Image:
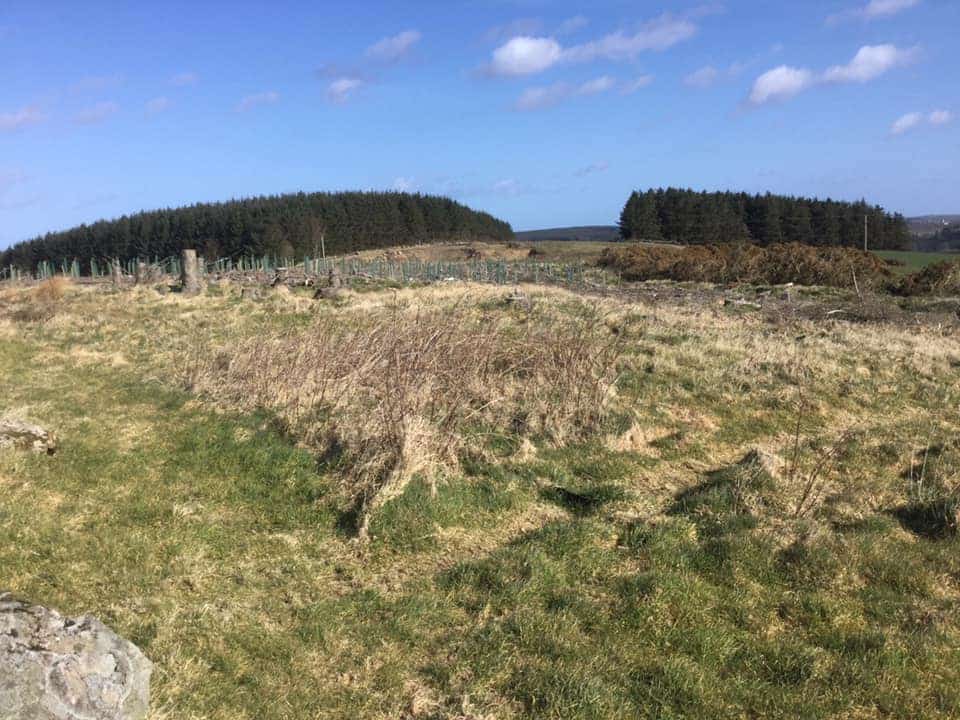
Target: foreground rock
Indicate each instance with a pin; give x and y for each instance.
(57, 668)
(24, 436)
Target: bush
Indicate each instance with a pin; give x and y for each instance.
(393, 393)
(744, 263)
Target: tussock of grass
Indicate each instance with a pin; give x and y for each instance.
(393, 393)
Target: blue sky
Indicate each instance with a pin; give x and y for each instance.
(543, 113)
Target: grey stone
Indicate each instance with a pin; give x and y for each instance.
(24, 436)
(57, 668)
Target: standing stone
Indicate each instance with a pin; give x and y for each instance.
(117, 273)
(57, 668)
(334, 278)
(190, 273)
(141, 276)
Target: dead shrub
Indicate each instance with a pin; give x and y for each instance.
(42, 304)
(752, 264)
(942, 278)
(52, 291)
(393, 393)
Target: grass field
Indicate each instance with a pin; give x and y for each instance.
(643, 569)
(915, 261)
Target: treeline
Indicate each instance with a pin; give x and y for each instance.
(691, 218)
(944, 240)
(287, 226)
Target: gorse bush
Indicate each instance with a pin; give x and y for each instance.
(400, 391)
(744, 263)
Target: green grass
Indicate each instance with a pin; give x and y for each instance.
(915, 261)
(661, 581)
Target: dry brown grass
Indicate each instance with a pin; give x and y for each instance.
(399, 391)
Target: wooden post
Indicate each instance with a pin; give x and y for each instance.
(189, 273)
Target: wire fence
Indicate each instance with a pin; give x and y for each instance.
(499, 272)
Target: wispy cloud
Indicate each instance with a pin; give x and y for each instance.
(572, 25)
(873, 10)
(870, 62)
(393, 48)
(95, 114)
(592, 169)
(636, 84)
(507, 186)
(512, 29)
(258, 100)
(341, 89)
(914, 120)
(940, 117)
(538, 98)
(404, 184)
(528, 55)
(20, 119)
(906, 123)
(96, 83)
(184, 79)
(702, 78)
(157, 105)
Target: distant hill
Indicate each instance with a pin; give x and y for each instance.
(947, 238)
(930, 224)
(592, 233)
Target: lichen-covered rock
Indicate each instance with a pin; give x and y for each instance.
(24, 436)
(57, 668)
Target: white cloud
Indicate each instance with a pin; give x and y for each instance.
(913, 120)
(542, 97)
(97, 113)
(598, 85)
(257, 100)
(591, 169)
(19, 119)
(940, 117)
(342, 89)
(404, 184)
(871, 61)
(658, 34)
(885, 8)
(571, 25)
(185, 78)
(393, 48)
(525, 55)
(873, 10)
(702, 78)
(906, 123)
(780, 83)
(538, 98)
(637, 84)
(157, 105)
